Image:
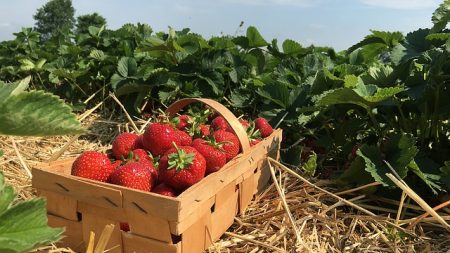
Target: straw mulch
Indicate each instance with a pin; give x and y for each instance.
(293, 215)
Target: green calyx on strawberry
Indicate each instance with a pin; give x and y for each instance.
(213, 152)
(181, 122)
(253, 134)
(93, 165)
(182, 167)
(180, 160)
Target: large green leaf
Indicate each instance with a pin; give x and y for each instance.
(292, 47)
(37, 113)
(398, 152)
(127, 67)
(12, 89)
(23, 226)
(254, 38)
(441, 16)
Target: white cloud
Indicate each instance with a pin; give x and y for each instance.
(296, 3)
(402, 4)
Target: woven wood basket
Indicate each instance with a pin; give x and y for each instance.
(188, 223)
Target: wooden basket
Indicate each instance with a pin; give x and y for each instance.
(188, 223)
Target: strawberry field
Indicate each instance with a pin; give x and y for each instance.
(366, 131)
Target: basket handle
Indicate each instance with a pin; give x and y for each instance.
(174, 108)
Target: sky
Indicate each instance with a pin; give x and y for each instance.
(336, 23)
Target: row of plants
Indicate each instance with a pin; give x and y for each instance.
(355, 114)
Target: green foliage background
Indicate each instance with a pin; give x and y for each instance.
(384, 97)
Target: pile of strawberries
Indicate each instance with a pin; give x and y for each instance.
(171, 155)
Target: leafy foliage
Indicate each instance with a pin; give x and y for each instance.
(388, 87)
(87, 20)
(23, 226)
(34, 113)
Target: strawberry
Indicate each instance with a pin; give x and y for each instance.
(123, 144)
(213, 152)
(164, 190)
(124, 226)
(186, 139)
(253, 142)
(182, 167)
(231, 146)
(220, 123)
(92, 165)
(204, 130)
(244, 123)
(141, 156)
(133, 175)
(139, 144)
(181, 122)
(117, 163)
(158, 138)
(263, 126)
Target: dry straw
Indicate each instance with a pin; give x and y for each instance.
(294, 214)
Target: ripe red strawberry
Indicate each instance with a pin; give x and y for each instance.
(139, 144)
(254, 142)
(124, 226)
(158, 138)
(181, 122)
(219, 123)
(213, 152)
(204, 130)
(133, 175)
(123, 144)
(182, 167)
(263, 126)
(164, 190)
(244, 123)
(186, 139)
(141, 156)
(231, 141)
(117, 163)
(92, 165)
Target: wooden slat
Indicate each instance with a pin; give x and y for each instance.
(137, 244)
(225, 209)
(81, 190)
(96, 223)
(73, 235)
(196, 238)
(60, 205)
(246, 190)
(151, 204)
(177, 228)
(195, 195)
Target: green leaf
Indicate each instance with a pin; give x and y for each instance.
(311, 165)
(97, 54)
(441, 16)
(254, 38)
(351, 81)
(292, 47)
(7, 90)
(399, 152)
(127, 67)
(37, 113)
(445, 178)
(430, 180)
(23, 226)
(343, 96)
(7, 195)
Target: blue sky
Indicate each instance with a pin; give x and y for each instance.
(336, 23)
